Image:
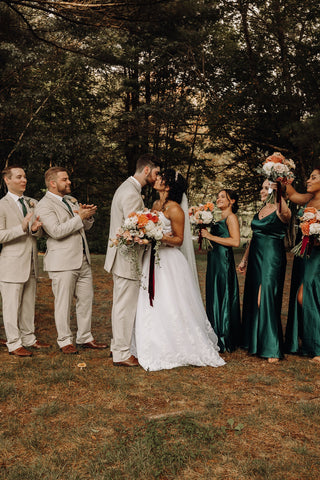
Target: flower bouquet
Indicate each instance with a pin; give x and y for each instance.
(140, 228)
(310, 228)
(276, 168)
(201, 216)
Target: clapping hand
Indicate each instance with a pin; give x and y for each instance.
(36, 225)
(26, 221)
(86, 211)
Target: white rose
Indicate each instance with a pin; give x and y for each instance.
(314, 229)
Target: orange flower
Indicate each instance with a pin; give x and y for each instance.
(209, 206)
(276, 157)
(305, 228)
(142, 220)
(310, 210)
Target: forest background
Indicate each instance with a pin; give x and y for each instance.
(210, 87)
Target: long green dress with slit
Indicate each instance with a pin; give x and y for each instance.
(222, 291)
(294, 327)
(304, 322)
(266, 268)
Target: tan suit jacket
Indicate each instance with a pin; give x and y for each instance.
(65, 233)
(18, 247)
(126, 200)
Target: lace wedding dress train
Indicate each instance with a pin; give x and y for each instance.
(175, 331)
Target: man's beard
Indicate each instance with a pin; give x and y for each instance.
(64, 191)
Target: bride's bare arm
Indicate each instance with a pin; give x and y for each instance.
(176, 215)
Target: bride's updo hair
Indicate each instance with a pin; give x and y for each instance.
(232, 195)
(176, 183)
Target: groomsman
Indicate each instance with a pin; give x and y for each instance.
(67, 259)
(18, 263)
(127, 199)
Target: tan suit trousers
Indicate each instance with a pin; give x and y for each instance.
(18, 306)
(66, 285)
(125, 299)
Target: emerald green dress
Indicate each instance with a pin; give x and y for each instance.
(266, 267)
(304, 322)
(294, 327)
(222, 291)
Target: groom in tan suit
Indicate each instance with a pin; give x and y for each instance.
(67, 259)
(18, 263)
(126, 199)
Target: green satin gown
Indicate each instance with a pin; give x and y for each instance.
(304, 322)
(266, 267)
(222, 292)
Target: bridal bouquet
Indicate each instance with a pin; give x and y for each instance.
(310, 228)
(201, 216)
(276, 168)
(141, 228)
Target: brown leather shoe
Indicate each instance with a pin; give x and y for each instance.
(131, 362)
(93, 344)
(69, 349)
(3, 342)
(21, 352)
(39, 345)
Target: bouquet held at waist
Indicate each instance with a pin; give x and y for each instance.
(310, 228)
(201, 216)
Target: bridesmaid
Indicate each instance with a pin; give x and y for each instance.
(222, 290)
(304, 305)
(265, 262)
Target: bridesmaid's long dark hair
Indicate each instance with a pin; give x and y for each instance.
(176, 183)
(232, 195)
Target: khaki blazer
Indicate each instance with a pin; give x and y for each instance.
(65, 233)
(126, 199)
(18, 247)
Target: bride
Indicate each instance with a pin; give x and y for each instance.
(175, 331)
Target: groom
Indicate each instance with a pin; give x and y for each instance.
(126, 199)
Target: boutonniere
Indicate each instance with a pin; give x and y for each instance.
(72, 200)
(30, 202)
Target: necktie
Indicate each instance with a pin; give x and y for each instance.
(69, 208)
(24, 208)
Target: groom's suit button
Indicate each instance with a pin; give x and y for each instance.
(69, 349)
(93, 344)
(131, 362)
(21, 352)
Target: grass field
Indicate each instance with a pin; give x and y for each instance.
(246, 420)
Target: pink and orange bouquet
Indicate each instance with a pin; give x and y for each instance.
(201, 216)
(140, 228)
(310, 228)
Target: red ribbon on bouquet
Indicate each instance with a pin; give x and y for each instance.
(200, 237)
(151, 286)
(279, 195)
(307, 245)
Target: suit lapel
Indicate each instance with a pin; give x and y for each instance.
(58, 203)
(14, 207)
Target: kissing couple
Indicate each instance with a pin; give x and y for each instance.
(174, 331)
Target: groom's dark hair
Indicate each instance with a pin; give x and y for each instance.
(146, 160)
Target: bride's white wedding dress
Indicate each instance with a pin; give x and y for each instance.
(176, 331)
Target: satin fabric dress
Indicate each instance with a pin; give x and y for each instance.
(294, 327)
(222, 291)
(266, 267)
(304, 322)
(175, 331)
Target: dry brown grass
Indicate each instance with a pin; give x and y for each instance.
(246, 420)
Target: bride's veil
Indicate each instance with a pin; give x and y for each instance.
(187, 246)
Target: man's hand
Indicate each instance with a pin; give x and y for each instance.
(86, 211)
(26, 221)
(36, 225)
